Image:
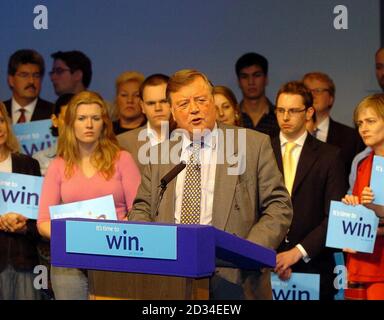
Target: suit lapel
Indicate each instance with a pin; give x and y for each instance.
(167, 207)
(331, 132)
(276, 146)
(306, 160)
(225, 184)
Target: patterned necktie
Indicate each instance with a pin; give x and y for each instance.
(22, 118)
(191, 202)
(289, 166)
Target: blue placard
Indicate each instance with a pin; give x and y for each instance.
(121, 239)
(20, 193)
(377, 180)
(352, 227)
(300, 286)
(34, 136)
(97, 208)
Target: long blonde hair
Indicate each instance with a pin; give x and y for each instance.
(11, 144)
(107, 149)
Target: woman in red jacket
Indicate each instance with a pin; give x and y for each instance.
(366, 270)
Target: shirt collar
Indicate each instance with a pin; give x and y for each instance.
(209, 139)
(324, 125)
(28, 108)
(299, 141)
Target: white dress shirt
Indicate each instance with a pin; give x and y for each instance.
(6, 165)
(29, 108)
(322, 130)
(296, 152)
(208, 159)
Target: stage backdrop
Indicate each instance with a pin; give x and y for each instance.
(151, 36)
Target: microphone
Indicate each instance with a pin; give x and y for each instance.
(172, 174)
(167, 179)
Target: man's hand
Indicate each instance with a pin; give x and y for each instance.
(285, 260)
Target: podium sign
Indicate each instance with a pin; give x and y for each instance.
(121, 239)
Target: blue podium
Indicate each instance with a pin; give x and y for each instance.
(129, 260)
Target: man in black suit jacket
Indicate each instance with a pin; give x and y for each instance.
(318, 178)
(25, 73)
(328, 130)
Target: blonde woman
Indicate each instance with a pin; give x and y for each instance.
(365, 270)
(18, 235)
(89, 164)
(130, 115)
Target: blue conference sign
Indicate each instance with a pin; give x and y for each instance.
(352, 227)
(300, 286)
(121, 239)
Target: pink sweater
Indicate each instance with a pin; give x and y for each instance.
(57, 189)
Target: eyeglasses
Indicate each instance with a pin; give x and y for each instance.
(319, 90)
(291, 112)
(26, 75)
(58, 71)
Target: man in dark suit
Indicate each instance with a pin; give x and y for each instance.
(314, 175)
(246, 197)
(328, 130)
(25, 74)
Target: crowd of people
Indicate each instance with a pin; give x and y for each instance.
(298, 159)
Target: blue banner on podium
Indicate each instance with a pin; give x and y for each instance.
(121, 239)
(352, 227)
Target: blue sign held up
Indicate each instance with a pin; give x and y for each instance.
(377, 180)
(97, 208)
(352, 227)
(20, 193)
(34, 136)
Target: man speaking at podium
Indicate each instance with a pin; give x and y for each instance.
(231, 181)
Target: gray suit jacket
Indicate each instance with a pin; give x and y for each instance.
(254, 205)
(129, 141)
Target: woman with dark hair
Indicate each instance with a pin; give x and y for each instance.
(45, 156)
(18, 234)
(89, 164)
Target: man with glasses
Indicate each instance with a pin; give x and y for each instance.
(25, 74)
(328, 130)
(313, 175)
(71, 72)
